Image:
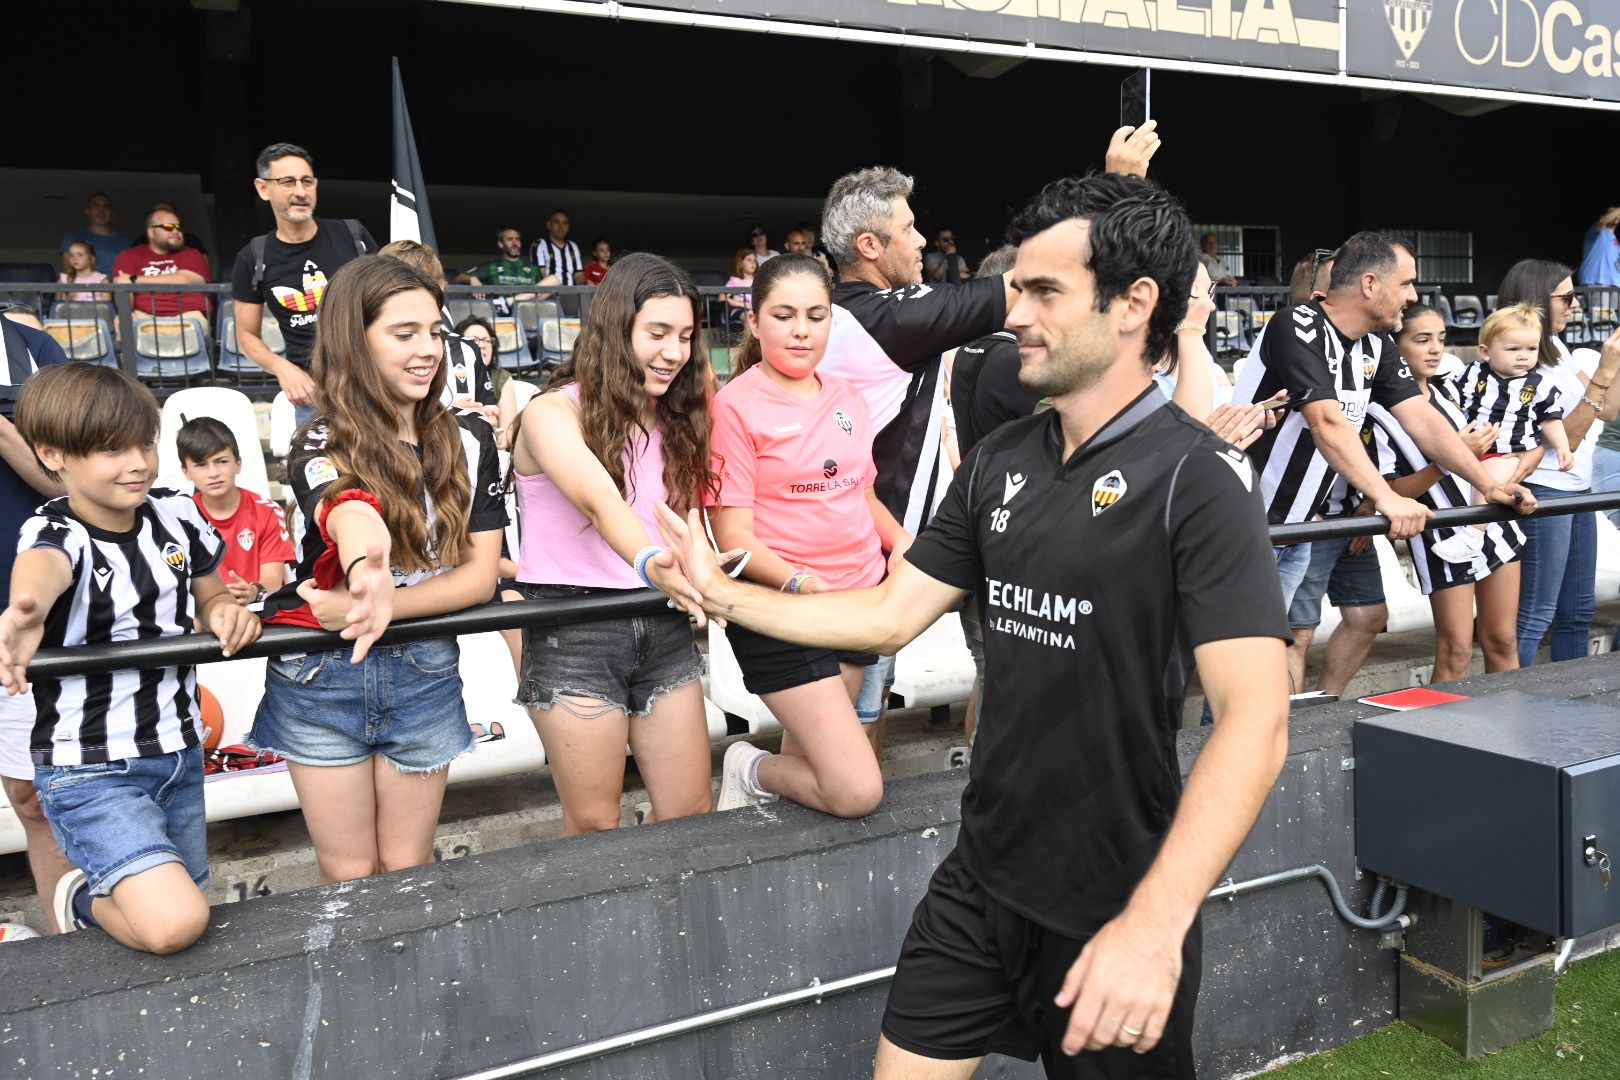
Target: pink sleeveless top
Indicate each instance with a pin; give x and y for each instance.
(559, 546)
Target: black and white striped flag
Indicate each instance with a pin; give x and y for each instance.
(408, 214)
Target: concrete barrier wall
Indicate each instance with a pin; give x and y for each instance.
(474, 963)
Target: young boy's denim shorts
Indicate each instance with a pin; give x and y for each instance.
(119, 818)
(403, 702)
(875, 684)
(625, 663)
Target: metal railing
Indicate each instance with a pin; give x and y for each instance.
(138, 328)
(280, 641)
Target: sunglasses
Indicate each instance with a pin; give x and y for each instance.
(168, 228)
(1568, 298)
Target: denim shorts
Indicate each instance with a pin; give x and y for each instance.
(120, 818)
(402, 701)
(874, 694)
(1347, 580)
(625, 663)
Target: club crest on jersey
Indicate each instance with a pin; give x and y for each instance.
(845, 424)
(1107, 491)
(174, 555)
(244, 539)
(1368, 366)
(1527, 395)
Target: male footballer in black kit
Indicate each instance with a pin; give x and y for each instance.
(1110, 541)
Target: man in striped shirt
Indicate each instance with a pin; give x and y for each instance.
(554, 253)
(1334, 356)
(117, 755)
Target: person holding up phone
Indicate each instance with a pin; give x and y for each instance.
(794, 452)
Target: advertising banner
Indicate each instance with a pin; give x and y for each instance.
(1562, 47)
(1297, 35)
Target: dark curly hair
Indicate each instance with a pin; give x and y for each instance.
(1138, 230)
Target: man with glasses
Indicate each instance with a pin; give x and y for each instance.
(944, 264)
(162, 261)
(287, 270)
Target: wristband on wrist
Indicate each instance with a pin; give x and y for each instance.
(1597, 406)
(1191, 326)
(347, 570)
(796, 582)
(1599, 385)
(643, 556)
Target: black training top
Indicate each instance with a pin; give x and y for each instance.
(1095, 577)
(985, 389)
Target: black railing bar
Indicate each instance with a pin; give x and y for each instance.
(281, 640)
(285, 640)
(1377, 525)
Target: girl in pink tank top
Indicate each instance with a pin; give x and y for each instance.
(624, 427)
(794, 453)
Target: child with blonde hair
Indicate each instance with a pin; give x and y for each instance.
(1507, 387)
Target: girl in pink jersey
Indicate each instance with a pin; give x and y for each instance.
(794, 452)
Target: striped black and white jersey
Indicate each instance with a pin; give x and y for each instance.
(1519, 405)
(888, 343)
(1396, 455)
(127, 586)
(310, 471)
(1304, 353)
(560, 259)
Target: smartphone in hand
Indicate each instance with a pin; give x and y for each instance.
(1135, 98)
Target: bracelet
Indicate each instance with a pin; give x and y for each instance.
(1599, 385)
(347, 570)
(1192, 326)
(642, 558)
(1597, 406)
(796, 582)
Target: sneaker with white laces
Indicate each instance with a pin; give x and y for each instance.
(62, 901)
(736, 790)
(1463, 546)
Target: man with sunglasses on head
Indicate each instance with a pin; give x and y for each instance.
(164, 260)
(286, 270)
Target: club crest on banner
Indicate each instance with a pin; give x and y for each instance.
(1408, 21)
(1107, 491)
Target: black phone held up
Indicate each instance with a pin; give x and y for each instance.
(1135, 98)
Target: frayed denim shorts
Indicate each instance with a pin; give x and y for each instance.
(403, 702)
(118, 818)
(624, 663)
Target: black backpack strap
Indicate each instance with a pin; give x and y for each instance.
(356, 233)
(257, 245)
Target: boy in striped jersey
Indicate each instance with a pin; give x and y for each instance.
(1505, 387)
(117, 755)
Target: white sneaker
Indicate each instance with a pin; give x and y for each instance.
(16, 931)
(62, 901)
(1463, 546)
(735, 790)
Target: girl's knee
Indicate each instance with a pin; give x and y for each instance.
(858, 797)
(175, 928)
(335, 870)
(579, 821)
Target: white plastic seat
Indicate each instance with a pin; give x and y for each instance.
(230, 407)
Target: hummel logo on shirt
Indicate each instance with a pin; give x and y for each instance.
(1014, 485)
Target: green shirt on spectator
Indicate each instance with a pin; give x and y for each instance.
(1611, 435)
(507, 272)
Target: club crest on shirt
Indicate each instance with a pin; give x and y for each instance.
(1368, 366)
(1526, 395)
(174, 555)
(318, 471)
(1107, 491)
(244, 539)
(844, 422)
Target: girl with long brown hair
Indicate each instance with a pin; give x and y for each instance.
(399, 515)
(624, 426)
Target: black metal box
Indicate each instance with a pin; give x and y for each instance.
(1495, 802)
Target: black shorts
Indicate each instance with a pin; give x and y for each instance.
(769, 665)
(977, 978)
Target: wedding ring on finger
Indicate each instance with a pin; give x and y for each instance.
(1126, 1029)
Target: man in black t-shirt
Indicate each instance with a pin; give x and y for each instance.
(1066, 919)
(299, 258)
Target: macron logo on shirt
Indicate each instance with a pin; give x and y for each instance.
(1014, 485)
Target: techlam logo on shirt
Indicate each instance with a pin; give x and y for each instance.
(1036, 606)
